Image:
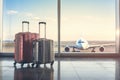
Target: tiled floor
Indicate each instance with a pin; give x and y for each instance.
(63, 69)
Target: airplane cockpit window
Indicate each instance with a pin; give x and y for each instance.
(80, 41)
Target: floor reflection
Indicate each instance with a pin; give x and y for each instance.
(0, 70)
(41, 73)
(86, 69)
(117, 70)
(63, 69)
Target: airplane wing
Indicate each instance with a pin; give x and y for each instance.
(100, 46)
(70, 46)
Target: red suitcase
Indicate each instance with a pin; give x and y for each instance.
(23, 46)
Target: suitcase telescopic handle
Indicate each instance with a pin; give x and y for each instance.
(44, 28)
(42, 22)
(23, 22)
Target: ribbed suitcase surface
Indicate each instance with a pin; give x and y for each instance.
(23, 47)
(43, 51)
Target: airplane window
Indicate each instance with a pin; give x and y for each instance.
(92, 22)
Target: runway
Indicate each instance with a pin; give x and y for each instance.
(9, 47)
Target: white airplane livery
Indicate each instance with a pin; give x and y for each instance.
(83, 44)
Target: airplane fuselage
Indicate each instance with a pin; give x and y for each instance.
(82, 44)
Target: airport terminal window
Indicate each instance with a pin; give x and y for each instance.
(88, 26)
(88, 21)
(16, 11)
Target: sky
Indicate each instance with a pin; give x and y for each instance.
(16, 11)
(90, 19)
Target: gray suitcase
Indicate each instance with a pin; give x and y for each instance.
(43, 50)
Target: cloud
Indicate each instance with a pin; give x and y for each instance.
(36, 18)
(12, 12)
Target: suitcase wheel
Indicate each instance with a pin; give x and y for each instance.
(52, 63)
(37, 65)
(22, 65)
(32, 65)
(28, 65)
(14, 64)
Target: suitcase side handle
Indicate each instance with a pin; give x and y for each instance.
(23, 22)
(44, 28)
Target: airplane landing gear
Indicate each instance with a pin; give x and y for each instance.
(73, 49)
(93, 50)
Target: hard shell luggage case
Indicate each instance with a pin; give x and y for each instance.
(42, 73)
(43, 50)
(23, 46)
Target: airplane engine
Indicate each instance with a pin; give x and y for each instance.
(67, 49)
(101, 49)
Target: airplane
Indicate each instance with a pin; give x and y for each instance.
(82, 44)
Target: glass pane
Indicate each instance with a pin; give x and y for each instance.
(88, 26)
(0, 25)
(16, 11)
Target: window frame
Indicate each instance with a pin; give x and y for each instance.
(116, 54)
(59, 54)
